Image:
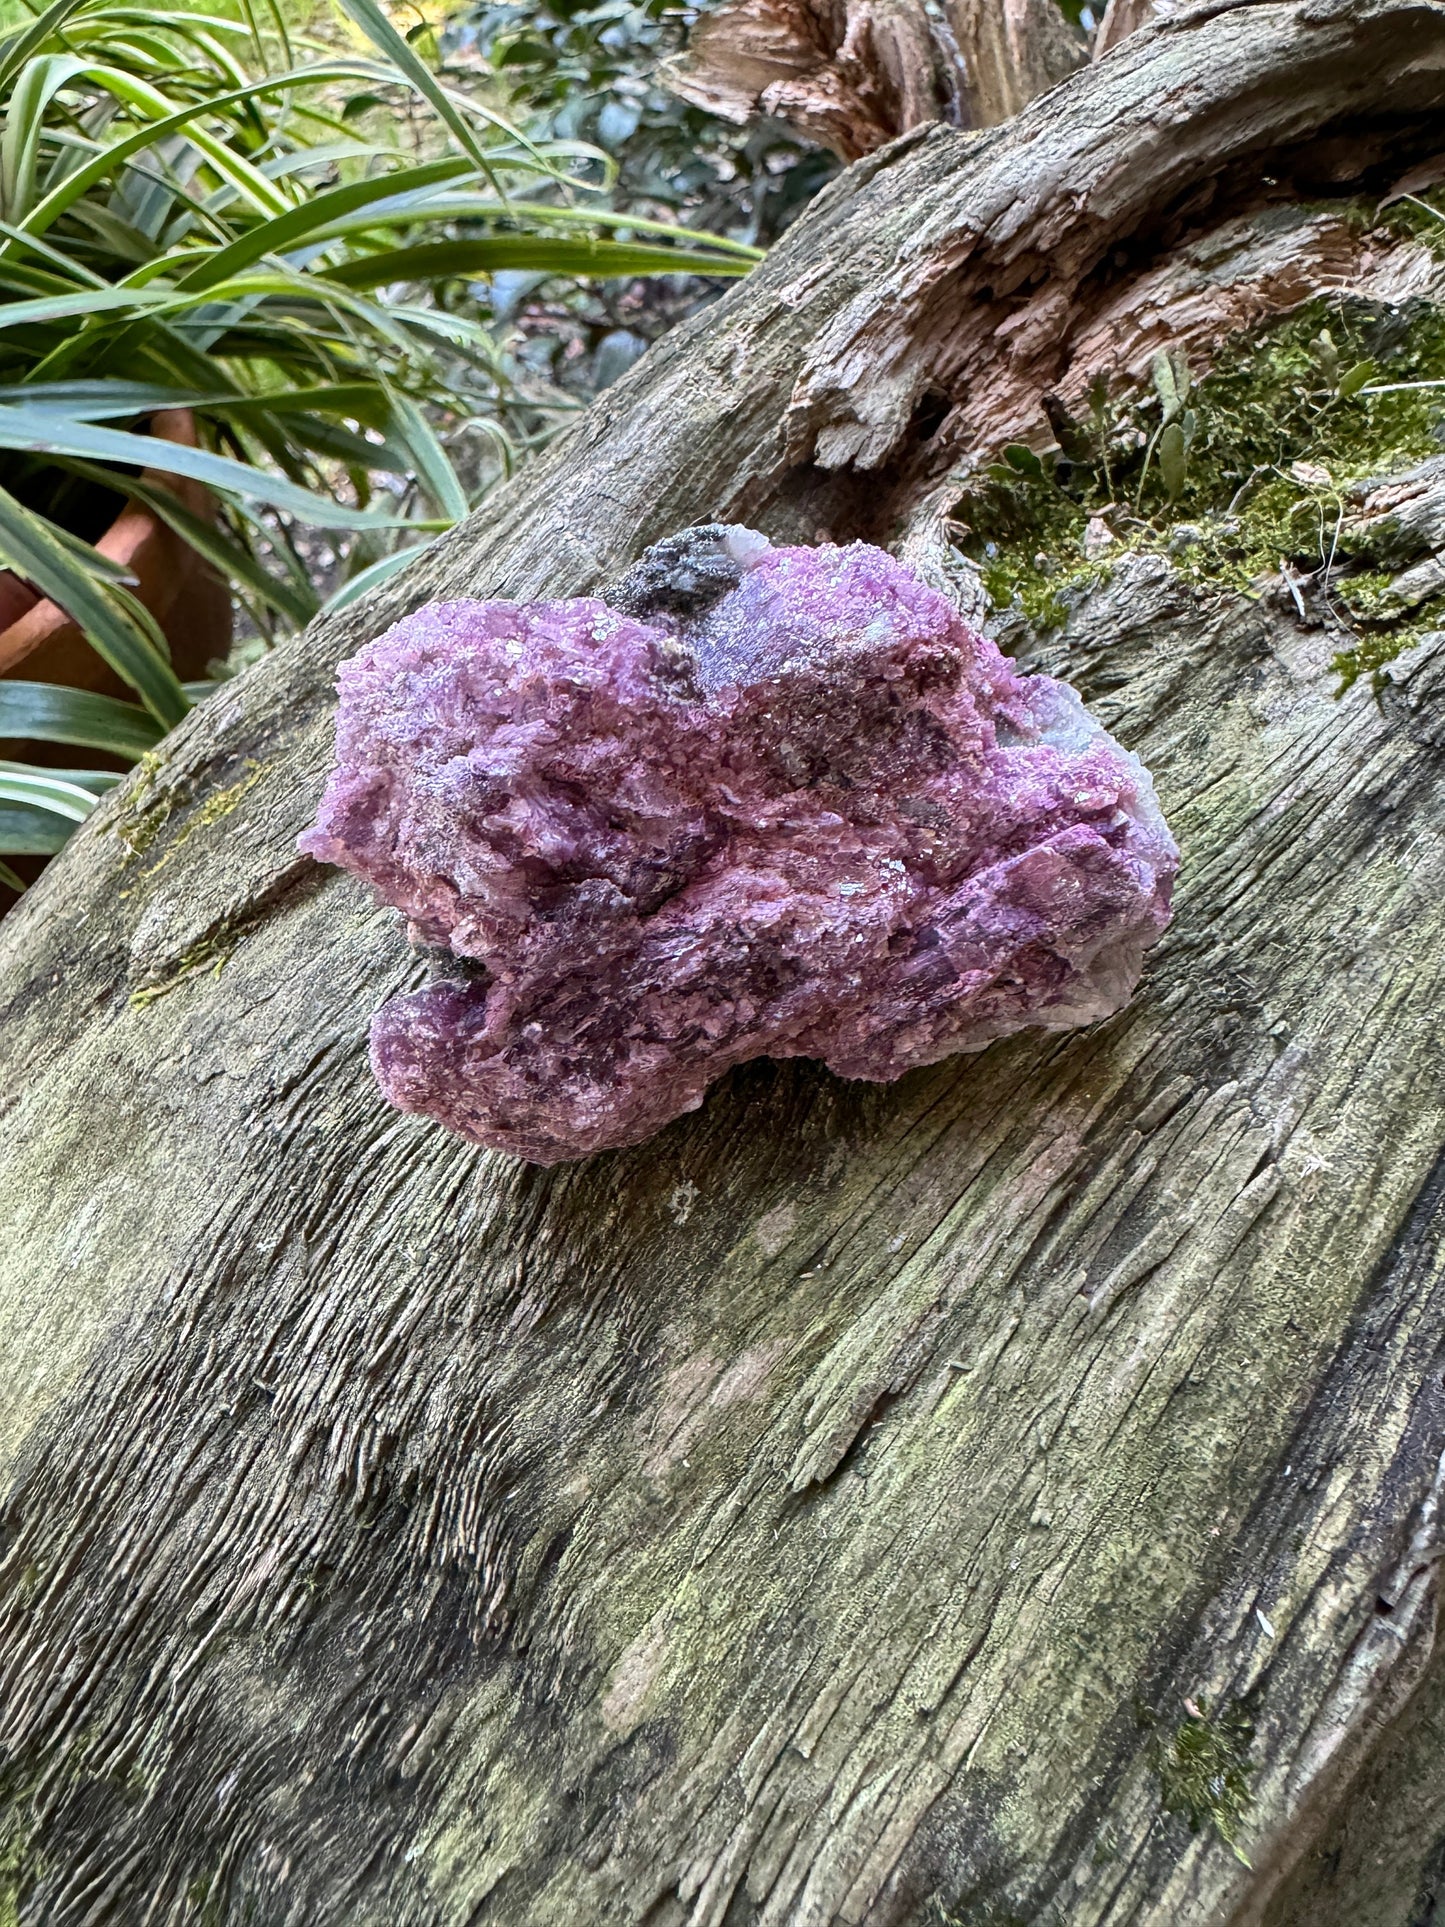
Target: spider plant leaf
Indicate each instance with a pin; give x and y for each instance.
(433, 467)
(18, 48)
(12, 881)
(24, 276)
(44, 434)
(300, 224)
(232, 562)
(233, 168)
(547, 254)
(127, 242)
(43, 78)
(370, 577)
(31, 547)
(68, 269)
(26, 830)
(40, 80)
(43, 712)
(373, 22)
(90, 559)
(42, 791)
(90, 782)
(104, 163)
(361, 401)
(210, 23)
(328, 438)
(321, 158)
(545, 216)
(99, 400)
(230, 559)
(86, 301)
(475, 206)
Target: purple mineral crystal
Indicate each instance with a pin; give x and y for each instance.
(758, 802)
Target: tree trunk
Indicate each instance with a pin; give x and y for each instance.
(861, 1504)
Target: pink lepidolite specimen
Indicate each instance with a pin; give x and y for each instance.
(760, 801)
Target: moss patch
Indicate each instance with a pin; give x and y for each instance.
(211, 955)
(16, 1859)
(1238, 477)
(143, 823)
(1204, 1770)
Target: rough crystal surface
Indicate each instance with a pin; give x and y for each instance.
(762, 801)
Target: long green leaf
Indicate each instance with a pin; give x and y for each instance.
(19, 48)
(369, 578)
(49, 209)
(30, 546)
(68, 792)
(144, 100)
(211, 22)
(28, 831)
(233, 562)
(385, 38)
(68, 269)
(39, 81)
(42, 434)
(90, 782)
(86, 301)
(100, 400)
(329, 438)
(43, 712)
(477, 207)
(441, 260)
(363, 401)
(299, 224)
(433, 467)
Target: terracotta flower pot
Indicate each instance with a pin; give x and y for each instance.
(40, 642)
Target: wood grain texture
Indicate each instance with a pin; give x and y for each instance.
(1011, 51)
(849, 75)
(821, 1513)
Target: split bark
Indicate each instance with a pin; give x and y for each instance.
(849, 75)
(1123, 17)
(852, 75)
(830, 1511)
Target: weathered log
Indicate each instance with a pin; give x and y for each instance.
(860, 1504)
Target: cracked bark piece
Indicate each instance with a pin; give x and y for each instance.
(768, 801)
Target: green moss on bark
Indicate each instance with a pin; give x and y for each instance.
(1241, 477)
(1204, 1770)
